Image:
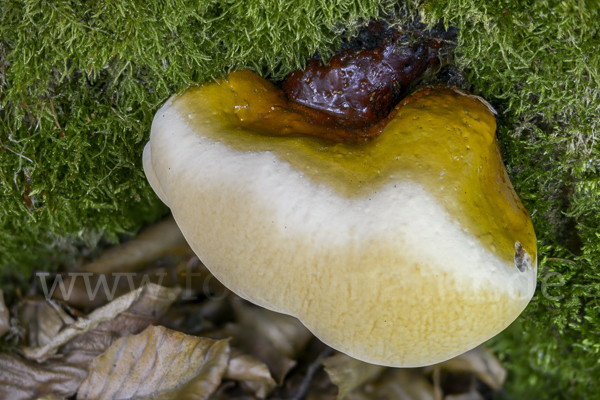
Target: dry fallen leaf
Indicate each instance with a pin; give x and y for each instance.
(28, 380)
(273, 338)
(396, 383)
(157, 364)
(62, 374)
(252, 343)
(253, 373)
(284, 332)
(471, 395)
(42, 321)
(456, 376)
(148, 309)
(83, 325)
(348, 373)
(480, 362)
(198, 318)
(4, 316)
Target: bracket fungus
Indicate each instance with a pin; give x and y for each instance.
(402, 243)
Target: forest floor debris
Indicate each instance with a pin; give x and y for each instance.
(193, 337)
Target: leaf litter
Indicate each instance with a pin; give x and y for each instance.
(4, 316)
(106, 313)
(42, 320)
(160, 326)
(61, 365)
(158, 363)
(348, 373)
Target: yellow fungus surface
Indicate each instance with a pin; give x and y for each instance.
(439, 138)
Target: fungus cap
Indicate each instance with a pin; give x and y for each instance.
(406, 250)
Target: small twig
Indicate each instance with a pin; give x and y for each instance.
(62, 132)
(54, 115)
(41, 115)
(561, 260)
(310, 373)
(437, 387)
(14, 152)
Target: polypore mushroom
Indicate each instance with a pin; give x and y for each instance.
(404, 250)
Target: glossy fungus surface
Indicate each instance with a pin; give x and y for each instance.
(404, 250)
(358, 88)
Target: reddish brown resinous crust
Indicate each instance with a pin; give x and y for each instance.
(359, 88)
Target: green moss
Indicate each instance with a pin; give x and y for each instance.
(79, 83)
(538, 61)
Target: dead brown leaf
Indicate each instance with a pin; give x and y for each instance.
(253, 373)
(42, 321)
(62, 374)
(157, 364)
(152, 304)
(222, 393)
(455, 379)
(481, 363)
(396, 383)
(83, 325)
(198, 318)
(348, 373)
(4, 316)
(275, 339)
(284, 332)
(250, 342)
(471, 395)
(27, 380)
